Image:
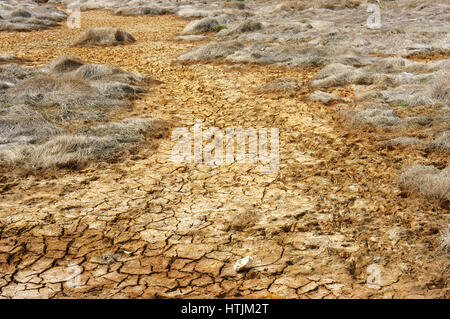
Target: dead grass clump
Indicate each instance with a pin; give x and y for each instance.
(104, 142)
(356, 58)
(403, 141)
(293, 5)
(49, 117)
(242, 27)
(191, 37)
(333, 4)
(439, 90)
(435, 92)
(72, 67)
(278, 54)
(4, 86)
(192, 13)
(375, 117)
(212, 51)
(63, 151)
(234, 5)
(116, 90)
(44, 91)
(28, 15)
(390, 65)
(14, 73)
(10, 74)
(104, 36)
(418, 120)
(19, 124)
(300, 5)
(445, 240)
(5, 58)
(65, 64)
(280, 85)
(337, 74)
(137, 11)
(21, 13)
(130, 130)
(68, 81)
(428, 180)
(301, 57)
(101, 72)
(201, 26)
(441, 142)
(333, 70)
(324, 97)
(71, 90)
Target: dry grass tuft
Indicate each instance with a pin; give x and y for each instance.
(280, 85)
(58, 116)
(47, 91)
(104, 36)
(441, 142)
(137, 11)
(64, 64)
(445, 240)
(104, 142)
(374, 117)
(22, 124)
(291, 6)
(201, 26)
(234, 5)
(428, 180)
(299, 5)
(323, 97)
(333, 4)
(242, 27)
(212, 51)
(6, 59)
(28, 15)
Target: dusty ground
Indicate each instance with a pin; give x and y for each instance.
(147, 227)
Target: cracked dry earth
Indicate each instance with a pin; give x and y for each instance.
(147, 227)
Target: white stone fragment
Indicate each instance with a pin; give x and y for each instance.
(243, 264)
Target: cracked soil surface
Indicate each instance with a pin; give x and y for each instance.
(147, 227)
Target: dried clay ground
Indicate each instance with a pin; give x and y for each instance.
(146, 227)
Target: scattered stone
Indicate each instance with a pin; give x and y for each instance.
(243, 264)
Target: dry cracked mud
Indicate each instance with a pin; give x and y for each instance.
(147, 227)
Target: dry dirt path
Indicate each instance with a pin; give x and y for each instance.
(319, 227)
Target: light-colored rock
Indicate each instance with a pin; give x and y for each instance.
(243, 264)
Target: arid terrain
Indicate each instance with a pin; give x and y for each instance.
(89, 193)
